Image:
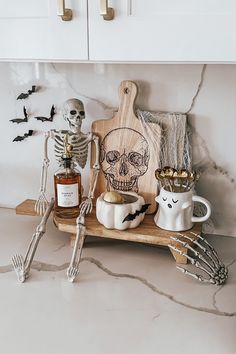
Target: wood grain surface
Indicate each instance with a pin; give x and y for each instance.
(26, 208)
(131, 153)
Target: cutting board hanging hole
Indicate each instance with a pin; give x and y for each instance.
(126, 90)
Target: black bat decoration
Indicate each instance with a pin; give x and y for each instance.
(23, 96)
(130, 217)
(50, 119)
(20, 138)
(21, 120)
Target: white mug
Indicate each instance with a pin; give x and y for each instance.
(175, 211)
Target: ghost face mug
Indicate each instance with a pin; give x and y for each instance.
(175, 211)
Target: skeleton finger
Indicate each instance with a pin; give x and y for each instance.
(85, 207)
(36, 207)
(196, 276)
(14, 261)
(82, 208)
(91, 207)
(39, 207)
(210, 246)
(87, 210)
(192, 260)
(41, 204)
(219, 272)
(195, 252)
(45, 206)
(20, 260)
(204, 249)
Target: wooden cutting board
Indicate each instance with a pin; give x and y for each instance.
(128, 156)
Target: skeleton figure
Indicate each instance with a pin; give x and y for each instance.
(123, 165)
(73, 113)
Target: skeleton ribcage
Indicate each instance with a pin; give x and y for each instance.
(80, 147)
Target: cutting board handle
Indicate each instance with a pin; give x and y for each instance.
(128, 92)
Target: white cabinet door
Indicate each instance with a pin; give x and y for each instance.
(164, 31)
(32, 30)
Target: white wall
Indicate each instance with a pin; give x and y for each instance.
(162, 88)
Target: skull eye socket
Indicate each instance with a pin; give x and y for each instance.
(112, 157)
(81, 113)
(72, 112)
(135, 159)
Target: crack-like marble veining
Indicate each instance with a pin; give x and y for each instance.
(214, 298)
(214, 302)
(201, 82)
(231, 263)
(204, 160)
(60, 247)
(156, 316)
(40, 266)
(100, 103)
(218, 176)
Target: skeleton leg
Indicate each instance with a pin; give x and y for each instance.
(208, 262)
(73, 269)
(42, 203)
(21, 265)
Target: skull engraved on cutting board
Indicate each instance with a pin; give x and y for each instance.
(124, 159)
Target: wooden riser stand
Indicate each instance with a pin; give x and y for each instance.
(146, 232)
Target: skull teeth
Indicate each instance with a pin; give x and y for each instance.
(124, 186)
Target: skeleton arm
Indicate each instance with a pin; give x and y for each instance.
(87, 205)
(42, 203)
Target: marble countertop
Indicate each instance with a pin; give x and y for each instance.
(129, 298)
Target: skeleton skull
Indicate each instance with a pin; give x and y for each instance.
(73, 113)
(124, 158)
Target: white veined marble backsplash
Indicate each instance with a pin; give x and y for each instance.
(168, 88)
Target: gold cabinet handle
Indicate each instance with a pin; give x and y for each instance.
(65, 14)
(106, 12)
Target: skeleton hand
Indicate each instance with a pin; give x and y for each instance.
(41, 204)
(203, 257)
(86, 206)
